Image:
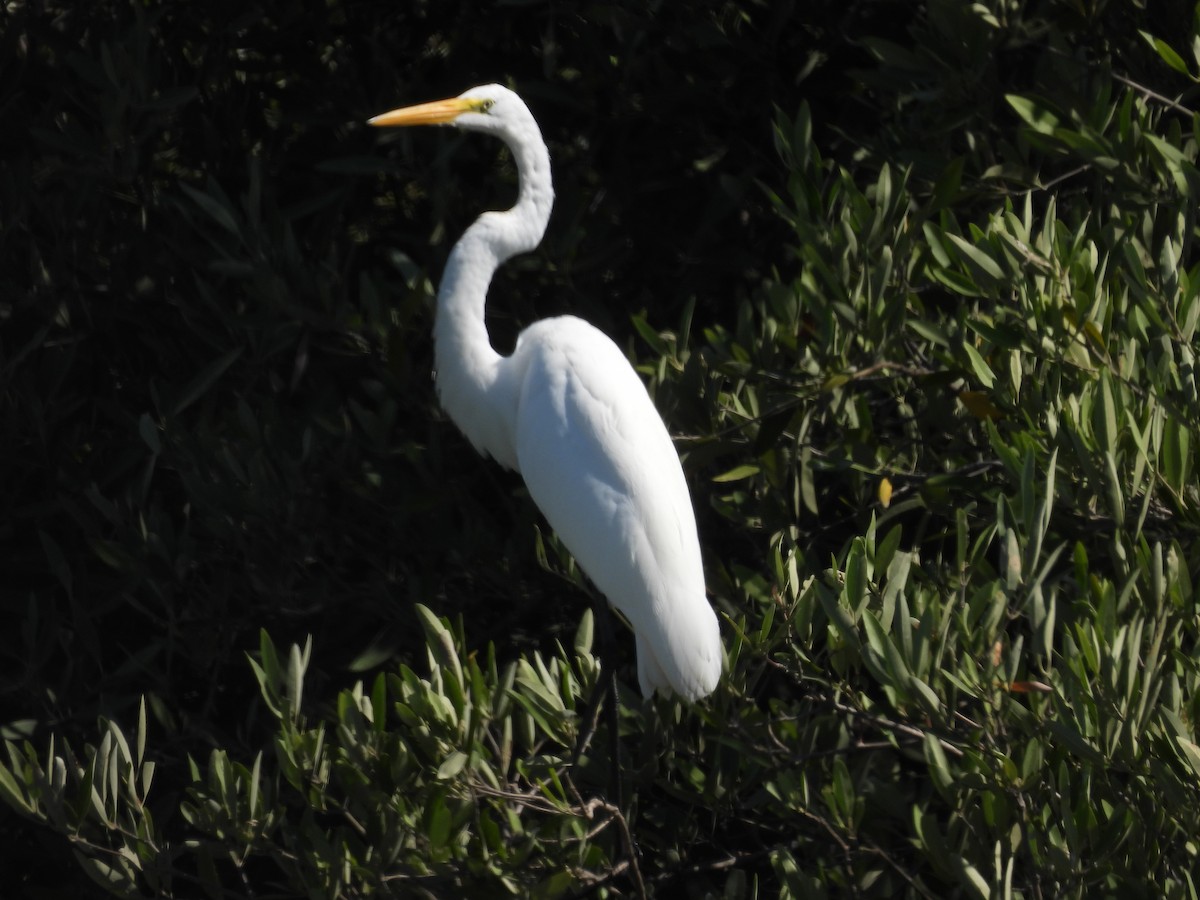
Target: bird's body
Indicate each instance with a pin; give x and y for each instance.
(568, 412)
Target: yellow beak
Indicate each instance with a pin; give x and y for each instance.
(440, 112)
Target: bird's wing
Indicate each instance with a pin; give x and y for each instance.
(600, 465)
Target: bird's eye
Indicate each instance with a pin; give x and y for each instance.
(486, 105)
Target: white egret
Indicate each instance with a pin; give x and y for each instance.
(570, 414)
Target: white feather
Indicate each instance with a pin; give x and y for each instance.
(571, 415)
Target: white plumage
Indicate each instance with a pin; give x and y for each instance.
(569, 413)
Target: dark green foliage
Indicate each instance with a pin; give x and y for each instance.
(917, 286)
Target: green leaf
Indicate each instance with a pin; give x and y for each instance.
(1035, 115)
(650, 336)
(959, 282)
(141, 732)
(929, 331)
(978, 256)
(452, 765)
(949, 184)
(441, 643)
(737, 473)
(983, 372)
(584, 634)
(1166, 52)
(13, 793)
(297, 664)
(1073, 742)
(1106, 421)
(437, 822)
(255, 781)
(939, 767)
(112, 878)
(840, 619)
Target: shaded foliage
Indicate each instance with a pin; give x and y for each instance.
(928, 341)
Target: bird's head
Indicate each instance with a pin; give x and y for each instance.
(488, 107)
(498, 111)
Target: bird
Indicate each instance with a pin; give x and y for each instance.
(569, 413)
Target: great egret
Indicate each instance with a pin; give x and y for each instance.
(569, 413)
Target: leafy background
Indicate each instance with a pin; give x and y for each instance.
(915, 285)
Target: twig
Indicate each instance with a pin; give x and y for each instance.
(1154, 95)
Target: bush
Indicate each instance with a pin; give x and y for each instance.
(934, 371)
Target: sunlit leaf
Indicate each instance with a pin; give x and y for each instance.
(738, 473)
(1165, 51)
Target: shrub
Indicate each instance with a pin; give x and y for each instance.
(939, 415)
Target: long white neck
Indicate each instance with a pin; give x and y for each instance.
(469, 372)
